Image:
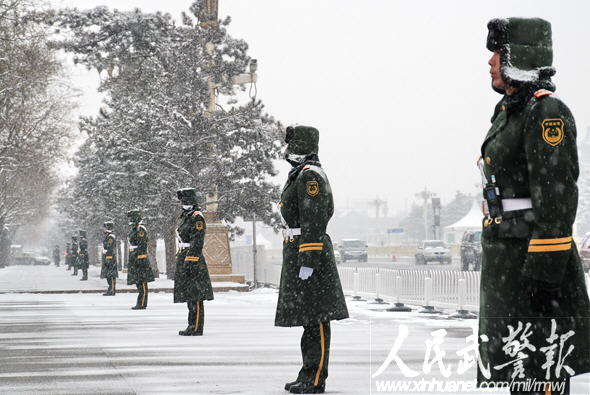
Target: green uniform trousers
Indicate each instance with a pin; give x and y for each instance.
(196, 315)
(315, 350)
(112, 282)
(142, 294)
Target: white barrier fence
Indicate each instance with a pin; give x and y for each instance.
(440, 288)
(456, 290)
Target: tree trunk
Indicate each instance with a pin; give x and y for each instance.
(125, 259)
(170, 243)
(152, 243)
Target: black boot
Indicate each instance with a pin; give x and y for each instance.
(302, 388)
(291, 384)
(189, 331)
(138, 307)
(142, 296)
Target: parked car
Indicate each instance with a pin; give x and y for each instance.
(471, 250)
(29, 258)
(585, 252)
(353, 249)
(433, 250)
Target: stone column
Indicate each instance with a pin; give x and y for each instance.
(216, 248)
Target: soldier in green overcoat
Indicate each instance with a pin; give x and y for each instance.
(139, 271)
(74, 254)
(68, 259)
(534, 322)
(109, 270)
(191, 278)
(83, 256)
(310, 292)
(56, 255)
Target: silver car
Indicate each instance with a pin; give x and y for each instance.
(433, 250)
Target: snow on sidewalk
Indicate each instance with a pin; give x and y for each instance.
(58, 279)
(90, 344)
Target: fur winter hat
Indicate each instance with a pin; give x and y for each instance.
(188, 196)
(302, 140)
(525, 47)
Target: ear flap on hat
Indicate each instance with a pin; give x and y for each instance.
(289, 134)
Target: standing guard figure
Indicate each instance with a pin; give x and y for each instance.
(139, 271)
(109, 258)
(83, 256)
(56, 255)
(191, 280)
(74, 254)
(68, 258)
(310, 293)
(532, 279)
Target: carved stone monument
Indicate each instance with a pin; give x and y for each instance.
(216, 248)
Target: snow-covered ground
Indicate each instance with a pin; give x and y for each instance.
(58, 279)
(89, 344)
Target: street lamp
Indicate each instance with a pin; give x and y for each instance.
(436, 209)
(217, 240)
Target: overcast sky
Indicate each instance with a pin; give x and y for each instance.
(399, 89)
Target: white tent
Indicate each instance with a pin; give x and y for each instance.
(471, 221)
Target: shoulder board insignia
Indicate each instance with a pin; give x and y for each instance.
(541, 93)
(197, 213)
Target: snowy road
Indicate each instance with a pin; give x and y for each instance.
(90, 344)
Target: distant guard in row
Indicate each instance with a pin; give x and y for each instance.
(83, 256)
(74, 254)
(109, 258)
(139, 271)
(67, 257)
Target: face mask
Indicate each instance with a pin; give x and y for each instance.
(295, 158)
(187, 207)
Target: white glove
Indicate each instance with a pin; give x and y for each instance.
(305, 272)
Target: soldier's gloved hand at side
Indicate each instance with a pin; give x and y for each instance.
(305, 272)
(544, 297)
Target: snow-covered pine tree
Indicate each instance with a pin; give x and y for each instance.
(155, 135)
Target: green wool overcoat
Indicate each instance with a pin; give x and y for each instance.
(531, 151)
(191, 279)
(109, 257)
(139, 270)
(307, 203)
(83, 261)
(74, 258)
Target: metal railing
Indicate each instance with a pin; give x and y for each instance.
(457, 290)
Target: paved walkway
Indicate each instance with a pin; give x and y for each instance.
(51, 279)
(90, 344)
